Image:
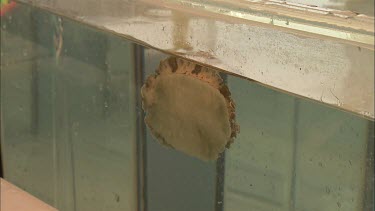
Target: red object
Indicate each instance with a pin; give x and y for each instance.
(7, 7)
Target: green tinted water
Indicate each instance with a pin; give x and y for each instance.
(73, 135)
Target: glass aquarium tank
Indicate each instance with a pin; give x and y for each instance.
(300, 76)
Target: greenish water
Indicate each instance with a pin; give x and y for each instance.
(73, 135)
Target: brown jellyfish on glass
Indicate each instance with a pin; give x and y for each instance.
(189, 108)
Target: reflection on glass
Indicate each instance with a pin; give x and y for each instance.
(361, 6)
(293, 154)
(67, 112)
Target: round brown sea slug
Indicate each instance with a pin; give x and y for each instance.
(189, 108)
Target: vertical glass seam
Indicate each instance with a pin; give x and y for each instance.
(220, 174)
(141, 153)
(368, 184)
(292, 196)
